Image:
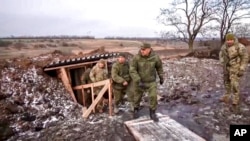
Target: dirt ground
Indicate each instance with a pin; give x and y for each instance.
(37, 106)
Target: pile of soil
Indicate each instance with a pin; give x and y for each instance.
(37, 106)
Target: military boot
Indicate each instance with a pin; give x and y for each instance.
(116, 110)
(236, 109)
(235, 100)
(153, 115)
(131, 107)
(225, 98)
(136, 113)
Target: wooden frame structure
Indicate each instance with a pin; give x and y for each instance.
(64, 75)
(106, 86)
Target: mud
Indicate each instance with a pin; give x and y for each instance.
(35, 106)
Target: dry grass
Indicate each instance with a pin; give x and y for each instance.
(30, 48)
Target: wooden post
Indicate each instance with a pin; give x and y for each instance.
(97, 99)
(68, 74)
(93, 95)
(83, 97)
(66, 83)
(110, 99)
(107, 85)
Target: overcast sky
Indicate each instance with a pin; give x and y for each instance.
(99, 18)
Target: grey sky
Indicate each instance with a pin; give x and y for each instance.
(99, 18)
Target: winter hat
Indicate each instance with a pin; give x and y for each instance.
(122, 54)
(145, 45)
(229, 36)
(102, 61)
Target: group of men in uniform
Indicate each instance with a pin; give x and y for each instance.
(139, 75)
(133, 78)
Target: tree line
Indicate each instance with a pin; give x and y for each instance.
(205, 18)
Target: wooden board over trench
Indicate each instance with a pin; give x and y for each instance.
(167, 129)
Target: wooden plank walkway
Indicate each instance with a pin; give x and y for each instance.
(167, 129)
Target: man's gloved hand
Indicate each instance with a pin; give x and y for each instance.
(141, 84)
(240, 73)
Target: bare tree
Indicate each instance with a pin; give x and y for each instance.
(187, 17)
(242, 30)
(229, 13)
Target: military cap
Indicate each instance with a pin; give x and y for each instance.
(230, 36)
(122, 54)
(145, 45)
(101, 61)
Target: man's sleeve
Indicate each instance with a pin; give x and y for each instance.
(243, 56)
(221, 57)
(133, 70)
(159, 67)
(92, 75)
(114, 74)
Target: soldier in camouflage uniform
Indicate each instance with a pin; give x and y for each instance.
(121, 79)
(234, 58)
(85, 79)
(143, 69)
(98, 73)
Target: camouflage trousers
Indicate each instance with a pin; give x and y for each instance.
(119, 95)
(151, 88)
(130, 92)
(231, 83)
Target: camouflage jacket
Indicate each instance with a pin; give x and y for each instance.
(98, 74)
(145, 68)
(85, 76)
(120, 74)
(234, 56)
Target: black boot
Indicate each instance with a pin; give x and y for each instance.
(136, 113)
(153, 115)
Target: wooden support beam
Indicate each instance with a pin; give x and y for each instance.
(92, 94)
(83, 98)
(69, 76)
(110, 99)
(73, 66)
(66, 83)
(97, 99)
(96, 84)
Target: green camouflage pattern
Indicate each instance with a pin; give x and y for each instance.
(119, 95)
(234, 60)
(144, 69)
(151, 88)
(119, 74)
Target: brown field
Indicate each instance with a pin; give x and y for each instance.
(33, 47)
